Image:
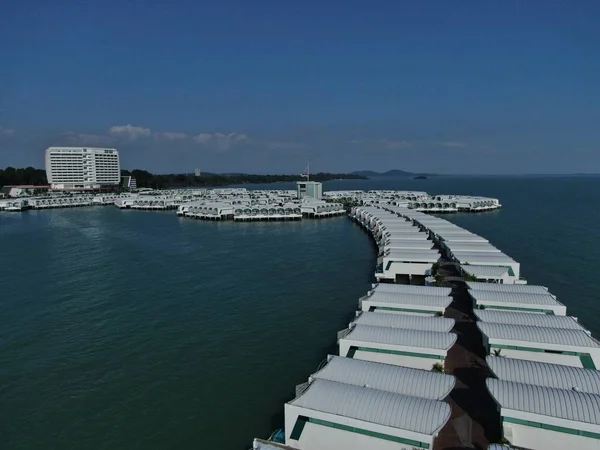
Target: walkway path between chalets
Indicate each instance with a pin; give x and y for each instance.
(474, 423)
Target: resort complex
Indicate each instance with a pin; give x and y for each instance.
(449, 348)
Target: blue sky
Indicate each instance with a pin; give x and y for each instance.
(263, 86)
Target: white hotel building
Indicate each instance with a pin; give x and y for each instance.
(82, 167)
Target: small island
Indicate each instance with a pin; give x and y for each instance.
(420, 177)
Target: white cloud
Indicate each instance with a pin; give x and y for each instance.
(396, 145)
(283, 145)
(83, 139)
(129, 131)
(451, 144)
(219, 141)
(172, 136)
(6, 131)
(203, 138)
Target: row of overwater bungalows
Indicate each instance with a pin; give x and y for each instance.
(544, 363)
(385, 389)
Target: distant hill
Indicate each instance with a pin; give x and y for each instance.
(389, 173)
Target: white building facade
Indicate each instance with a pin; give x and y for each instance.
(82, 167)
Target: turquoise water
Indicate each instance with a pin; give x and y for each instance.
(132, 329)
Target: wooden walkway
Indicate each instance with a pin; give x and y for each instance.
(474, 423)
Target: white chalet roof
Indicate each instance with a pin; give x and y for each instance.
(405, 244)
(404, 235)
(514, 297)
(404, 412)
(540, 335)
(409, 322)
(401, 337)
(515, 288)
(399, 298)
(415, 255)
(386, 377)
(523, 318)
(411, 289)
(497, 258)
(545, 374)
(560, 403)
(461, 237)
(472, 247)
(486, 272)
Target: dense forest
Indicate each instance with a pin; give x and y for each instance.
(146, 179)
(11, 176)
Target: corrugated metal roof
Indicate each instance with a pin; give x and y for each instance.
(516, 288)
(513, 297)
(485, 271)
(427, 256)
(412, 289)
(545, 374)
(409, 322)
(534, 320)
(409, 244)
(500, 447)
(482, 257)
(449, 238)
(541, 335)
(560, 403)
(415, 414)
(385, 377)
(401, 337)
(472, 247)
(399, 298)
(413, 236)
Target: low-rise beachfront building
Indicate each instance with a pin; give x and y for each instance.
(13, 205)
(529, 320)
(385, 377)
(62, 201)
(545, 374)
(486, 259)
(397, 346)
(405, 321)
(552, 345)
(515, 301)
(515, 288)
(538, 417)
(410, 289)
(491, 275)
(407, 244)
(413, 234)
(206, 210)
(406, 262)
(331, 415)
(455, 237)
(474, 247)
(404, 303)
(319, 209)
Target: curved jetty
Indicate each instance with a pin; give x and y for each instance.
(251, 205)
(451, 348)
(514, 369)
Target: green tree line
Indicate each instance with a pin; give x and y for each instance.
(11, 177)
(146, 179)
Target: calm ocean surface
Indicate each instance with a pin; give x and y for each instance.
(133, 329)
